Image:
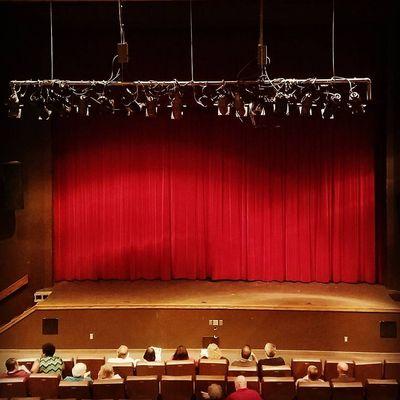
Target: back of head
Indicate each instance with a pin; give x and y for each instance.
(246, 352)
(149, 354)
(106, 372)
(342, 368)
(79, 370)
(240, 382)
(11, 364)
(312, 372)
(215, 392)
(213, 351)
(270, 350)
(181, 353)
(49, 349)
(122, 351)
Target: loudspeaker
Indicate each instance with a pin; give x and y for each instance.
(50, 326)
(388, 329)
(11, 190)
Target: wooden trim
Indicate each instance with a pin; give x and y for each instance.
(17, 319)
(14, 287)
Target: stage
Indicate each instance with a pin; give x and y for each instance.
(296, 316)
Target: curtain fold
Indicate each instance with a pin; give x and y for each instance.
(210, 197)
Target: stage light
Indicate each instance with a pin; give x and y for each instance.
(240, 108)
(332, 105)
(59, 104)
(105, 104)
(176, 106)
(281, 104)
(306, 104)
(355, 103)
(223, 104)
(151, 106)
(292, 106)
(256, 111)
(14, 105)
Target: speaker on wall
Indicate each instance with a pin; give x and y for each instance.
(388, 329)
(11, 188)
(50, 326)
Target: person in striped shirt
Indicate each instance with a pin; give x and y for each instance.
(48, 363)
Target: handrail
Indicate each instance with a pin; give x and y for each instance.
(14, 287)
(17, 319)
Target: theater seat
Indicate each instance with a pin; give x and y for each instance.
(252, 383)
(123, 369)
(13, 387)
(74, 390)
(142, 387)
(180, 368)
(147, 369)
(382, 389)
(278, 388)
(299, 366)
(330, 369)
(313, 391)
(28, 362)
(368, 369)
(213, 367)
(93, 364)
(68, 364)
(43, 385)
(108, 389)
(202, 383)
(392, 370)
(276, 370)
(347, 391)
(245, 371)
(176, 387)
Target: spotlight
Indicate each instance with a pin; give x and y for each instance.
(306, 105)
(281, 104)
(176, 106)
(59, 104)
(223, 104)
(292, 107)
(256, 110)
(39, 103)
(332, 105)
(106, 105)
(239, 105)
(355, 104)
(14, 105)
(151, 106)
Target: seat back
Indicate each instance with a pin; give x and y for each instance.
(93, 364)
(347, 391)
(202, 383)
(185, 367)
(108, 389)
(148, 369)
(43, 385)
(142, 387)
(299, 366)
(213, 367)
(276, 370)
(282, 388)
(123, 369)
(252, 383)
(392, 370)
(382, 389)
(74, 390)
(313, 391)
(330, 369)
(364, 370)
(176, 387)
(28, 362)
(68, 364)
(13, 387)
(245, 371)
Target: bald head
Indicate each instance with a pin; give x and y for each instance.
(342, 368)
(122, 351)
(240, 382)
(270, 350)
(312, 372)
(246, 352)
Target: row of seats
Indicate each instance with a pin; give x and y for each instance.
(49, 386)
(361, 370)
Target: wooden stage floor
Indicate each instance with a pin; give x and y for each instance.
(185, 294)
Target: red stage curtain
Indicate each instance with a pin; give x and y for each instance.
(210, 197)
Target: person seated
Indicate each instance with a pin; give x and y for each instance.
(149, 355)
(14, 370)
(122, 356)
(181, 354)
(272, 359)
(107, 372)
(79, 373)
(342, 370)
(214, 392)
(213, 352)
(242, 392)
(312, 376)
(248, 358)
(48, 363)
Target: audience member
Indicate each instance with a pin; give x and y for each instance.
(312, 375)
(271, 359)
(181, 353)
(242, 392)
(214, 392)
(213, 352)
(14, 370)
(149, 355)
(48, 363)
(107, 372)
(122, 356)
(79, 373)
(343, 370)
(248, 358)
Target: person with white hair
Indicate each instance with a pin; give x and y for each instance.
(242, 392)
(122, 356)
(271, 357)
(312, 376)
(79, 373)
(343, 371)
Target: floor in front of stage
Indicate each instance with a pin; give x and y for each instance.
(221, 295)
